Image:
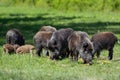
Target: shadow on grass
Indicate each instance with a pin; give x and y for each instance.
(116, 60)
(92, 28)
(29, 25)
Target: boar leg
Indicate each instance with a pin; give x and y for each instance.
(31, 52)
(7, 51)
(63, 54)
(71, 55)
(38, 51)
(75, 57)
(46, 52)
(67, 53)
(98, 54)
(110, 56)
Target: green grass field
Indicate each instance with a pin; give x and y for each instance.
(29, 21)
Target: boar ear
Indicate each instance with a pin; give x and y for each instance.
(85, 44)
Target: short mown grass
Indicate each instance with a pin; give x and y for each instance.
(29, 21)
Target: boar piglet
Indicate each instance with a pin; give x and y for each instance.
(25, 49)
(9, 48)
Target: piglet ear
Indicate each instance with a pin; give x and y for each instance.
(85, 44)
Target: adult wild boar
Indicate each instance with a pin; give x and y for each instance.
(104, 40)
(58, 44)
(41, 39)
(48, 28)
(80, 44)
(14, 36)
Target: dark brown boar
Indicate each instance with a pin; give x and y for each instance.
(80, 44)
(58, 44)
(14, 36)
(104, 40)
(41, 39)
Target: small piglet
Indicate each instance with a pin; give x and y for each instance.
(9, 48)
(25, 49)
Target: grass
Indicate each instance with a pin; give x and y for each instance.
(29, 21)
(23, 67)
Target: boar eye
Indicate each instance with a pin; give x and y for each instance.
(85, 44)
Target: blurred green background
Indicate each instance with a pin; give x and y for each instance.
(86, 15)
(78, 5)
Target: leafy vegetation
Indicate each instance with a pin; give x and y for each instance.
(30, 19)
(79, 5)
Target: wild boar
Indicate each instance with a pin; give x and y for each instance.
(14, 36)
(9, 48)
(104, 40)
(80, 44)
(41, 39)
(58, 44)
(25, 49)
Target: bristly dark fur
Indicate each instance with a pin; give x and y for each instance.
(14, 36)
(41, 39)
(58, 43)
(80, 44)
(48, 28)
(104, 40)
